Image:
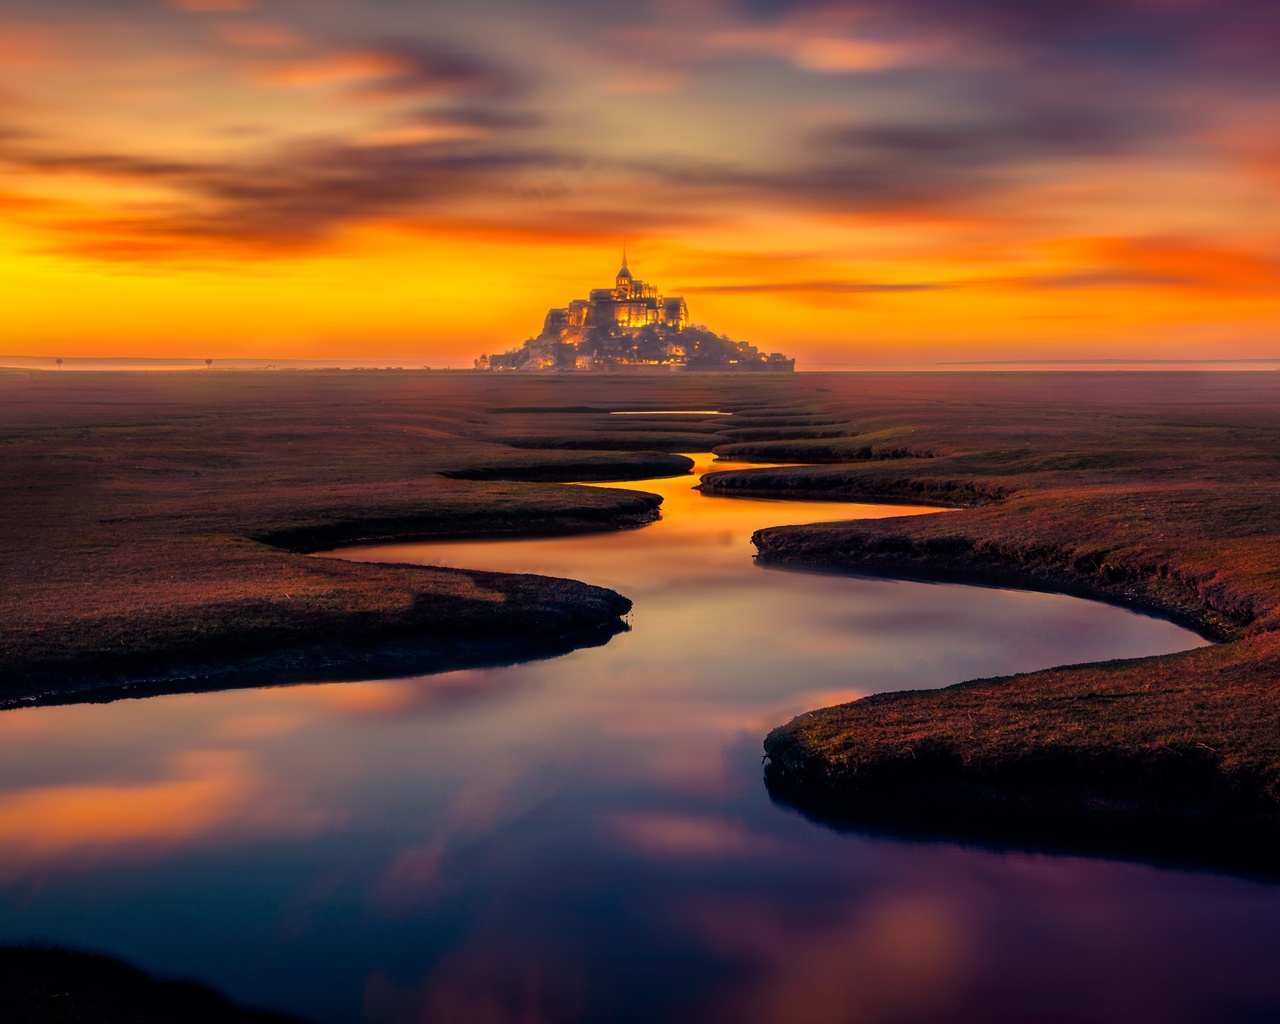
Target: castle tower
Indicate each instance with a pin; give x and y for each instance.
(624, 279)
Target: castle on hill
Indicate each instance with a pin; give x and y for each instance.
(630, 325)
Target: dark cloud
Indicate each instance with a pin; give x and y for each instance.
(395, 71)
(294, 196)
(1233, 36)
(489, 119)
(832, 183)
(460, 133)
(119, 166)
(930, 164)
(415, 69)
(1045, 132)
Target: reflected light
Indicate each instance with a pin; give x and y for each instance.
(891, 959)
(677, 835)
(208, 788)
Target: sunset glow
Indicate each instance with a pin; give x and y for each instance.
(850, 182)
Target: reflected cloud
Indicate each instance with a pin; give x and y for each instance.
(199, 796)
(411, 882)
(489, 984)
(403, 698)
(204, 790)
(679, 836)
(257, 726)
(899, 958)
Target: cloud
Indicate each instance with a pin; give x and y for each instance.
(927, 108)
(448, 127)
(646, 82)
(824, 287)
(1166, 262)
(259, 35)
(1140, 264)
(115, 166)
(396, 71)
(214, 6)
(1145, 36)
(819, 46)
(1034, 133)
(287, 199)
(919, 165)
(1106, 277)
(32, 49)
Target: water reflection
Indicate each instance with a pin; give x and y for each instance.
(588, 837)
(51, 823)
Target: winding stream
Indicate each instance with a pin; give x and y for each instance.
(588, 838)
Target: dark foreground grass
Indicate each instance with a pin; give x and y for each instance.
(49, 985)
(1160, 491)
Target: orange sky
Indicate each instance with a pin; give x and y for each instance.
(856, 181)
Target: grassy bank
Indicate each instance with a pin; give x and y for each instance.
(155, 526)
(1159, 491)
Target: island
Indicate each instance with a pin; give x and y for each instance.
(631, 326)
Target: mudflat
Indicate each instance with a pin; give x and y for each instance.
(1157, 490)
(156, 528)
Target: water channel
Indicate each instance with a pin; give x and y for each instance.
(588, 838)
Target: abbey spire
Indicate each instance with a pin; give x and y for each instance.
(624, 282)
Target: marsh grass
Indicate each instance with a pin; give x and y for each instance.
(1160, 491)
(155, 524)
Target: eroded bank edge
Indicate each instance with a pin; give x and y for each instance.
(1187, 805)
(551, 616)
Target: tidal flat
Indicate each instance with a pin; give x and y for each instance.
(155, 528)
(147, 506)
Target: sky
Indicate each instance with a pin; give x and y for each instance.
(869, 181)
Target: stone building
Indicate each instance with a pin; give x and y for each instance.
(631, 325)
(626, 307)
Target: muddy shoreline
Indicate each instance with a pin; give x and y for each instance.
(136, 500)
(1174, 759)
(357, 658)
(157, 527)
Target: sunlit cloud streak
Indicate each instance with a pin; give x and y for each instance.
(837, 287)
(393, 71)
(213, 6)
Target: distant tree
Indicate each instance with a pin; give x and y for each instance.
(59, 362)
(208, 364)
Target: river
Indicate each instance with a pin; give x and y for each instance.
(588, 838)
